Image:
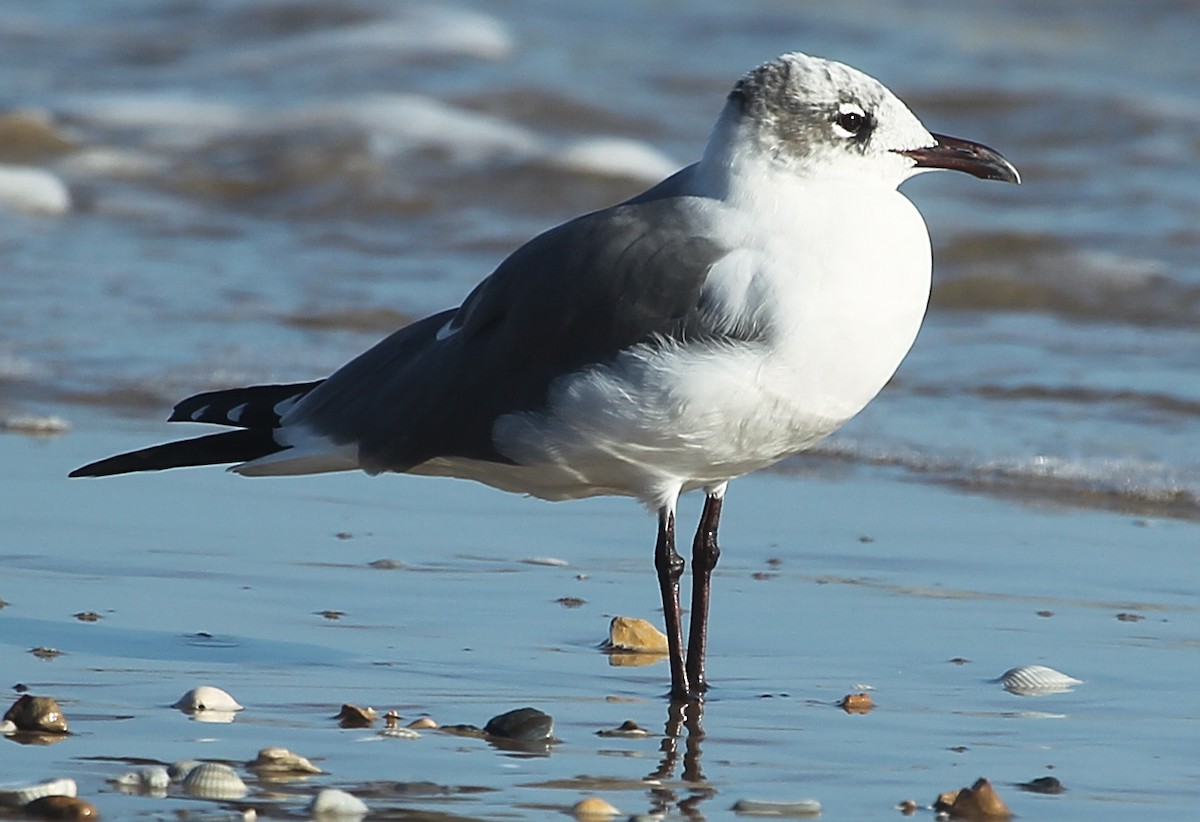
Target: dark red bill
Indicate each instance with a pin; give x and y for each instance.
(963, 155)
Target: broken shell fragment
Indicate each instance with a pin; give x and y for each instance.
(978, 802)
(37, 713)
(352, 716)
(207, 698)
(627, 729)
(755, 807)
(212, 780)
(635, 635)
(279, 761)
(18, 795)
(1036, 680)
(331, 803)
(856, 703)
(61, 807)
(593, 808)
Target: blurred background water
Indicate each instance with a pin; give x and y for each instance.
(199, 194)
(202, 194)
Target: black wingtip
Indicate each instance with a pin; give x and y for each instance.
(212, 449)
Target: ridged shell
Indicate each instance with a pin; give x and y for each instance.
(212, 780)
(207, 698)
(18, 796)
(1036, 680)
(334, 803)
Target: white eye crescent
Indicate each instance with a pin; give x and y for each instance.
(851, 121)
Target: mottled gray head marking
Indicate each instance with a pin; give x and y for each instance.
(827, 117)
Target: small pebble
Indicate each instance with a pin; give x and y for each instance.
(87, 616)
(908, 807)
(1127, 617)
(1043, 784)
(627, 729)
(61, 807)
(388, 564)
(755, 807)
(521, 725)
(634, 634)
(571, 602)
(331, 615)
(37, 713)
(593, 808)
(42, 652)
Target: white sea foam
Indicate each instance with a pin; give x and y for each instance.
(615, 157)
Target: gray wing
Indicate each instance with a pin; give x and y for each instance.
(571, 297)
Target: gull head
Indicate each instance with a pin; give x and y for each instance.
(825, 120)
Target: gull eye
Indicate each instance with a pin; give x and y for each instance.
(851, 121)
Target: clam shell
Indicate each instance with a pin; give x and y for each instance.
(18, 795)
(334, 803)
(207, 698)
(1036, 680)
(212, 780)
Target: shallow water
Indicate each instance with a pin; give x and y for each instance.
(258, 191)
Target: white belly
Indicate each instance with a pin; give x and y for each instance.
(840, 291)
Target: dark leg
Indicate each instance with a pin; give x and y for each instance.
(669, 565)
(704, 559)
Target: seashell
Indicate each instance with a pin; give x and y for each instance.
(152, 780)
(521, 725)
(758, 807)
(592, 808)
(1036, 680)
(37, 713)
(627, 729)
(352, 716)
(338, 804)
(61, 807)
(178, 771)
(281, 761)
(212, 780)
(18, 796)
(424, 723)
(207, 698)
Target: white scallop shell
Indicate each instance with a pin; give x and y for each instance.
(1036, 680)
(332, 803)
(207, 698)
(18, 795)
(212, 780)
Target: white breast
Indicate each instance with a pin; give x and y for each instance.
(838, 278)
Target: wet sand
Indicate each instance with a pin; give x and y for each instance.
(839, 580)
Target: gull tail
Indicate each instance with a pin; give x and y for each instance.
(256, 411)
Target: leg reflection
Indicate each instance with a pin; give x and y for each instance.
(684, 720)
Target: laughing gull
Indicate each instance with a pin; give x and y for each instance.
(732, 315)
